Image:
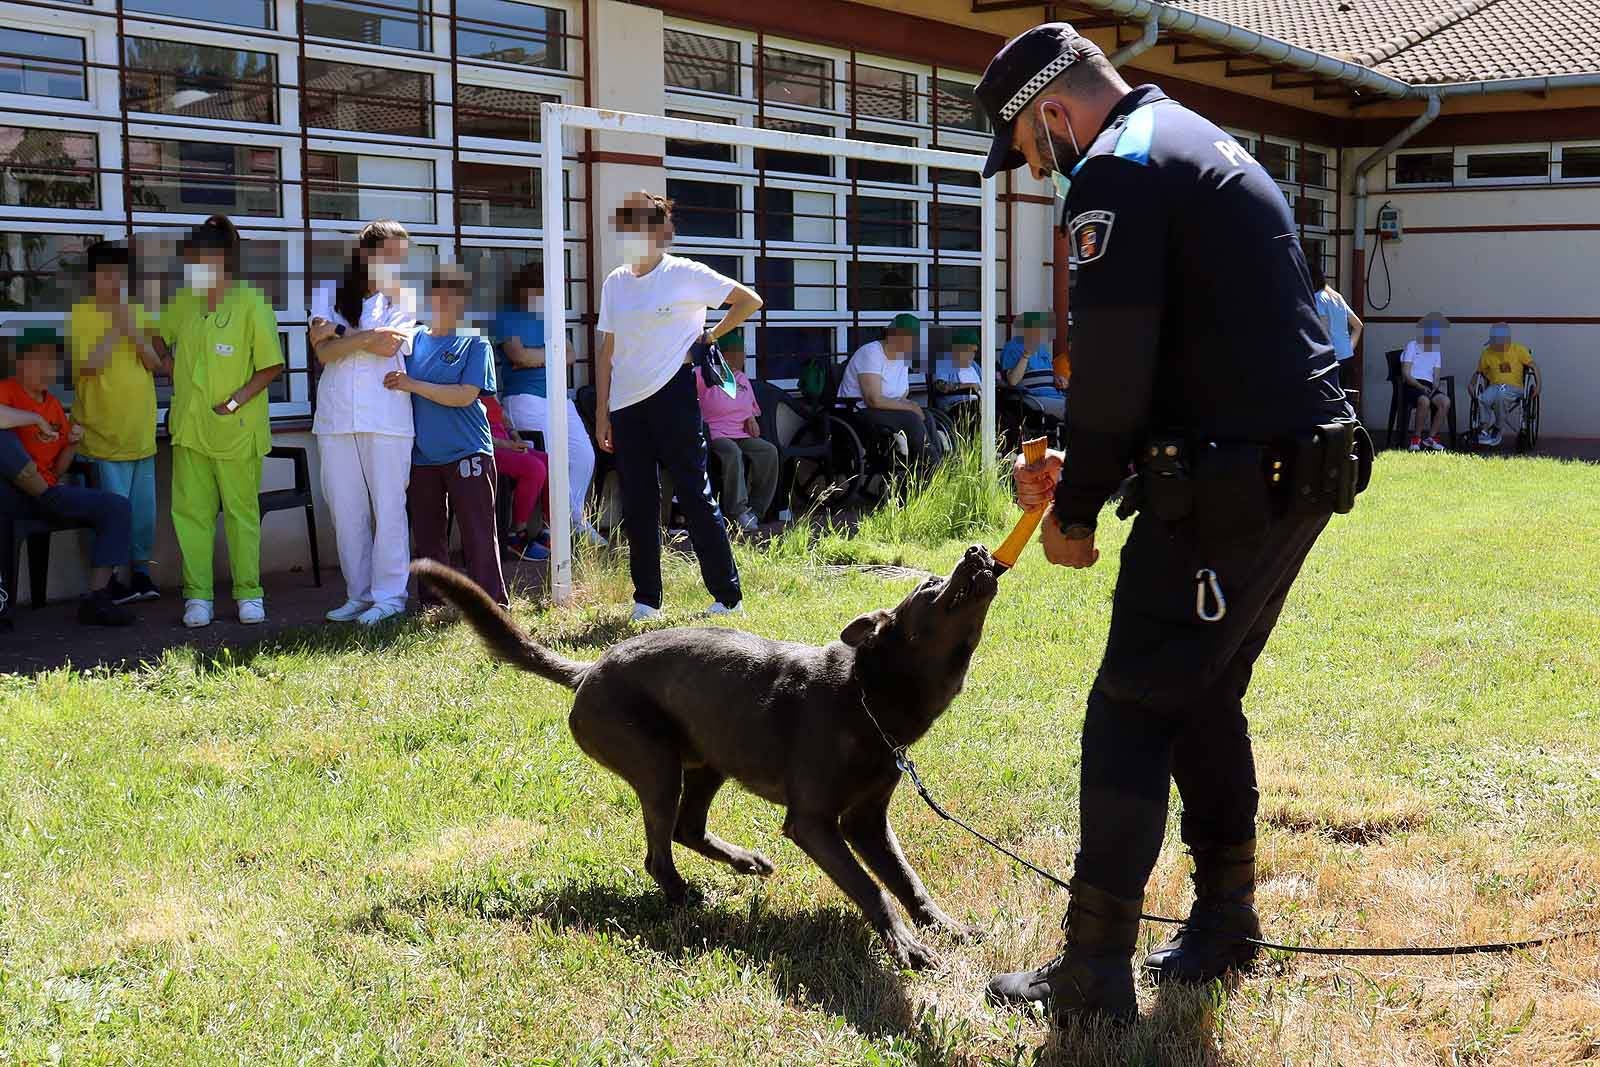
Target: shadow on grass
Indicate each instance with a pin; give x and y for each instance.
(822, 957)
(1181, 1031)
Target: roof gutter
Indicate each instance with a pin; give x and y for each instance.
(1146, 41)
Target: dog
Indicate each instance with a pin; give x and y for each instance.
(677, 712)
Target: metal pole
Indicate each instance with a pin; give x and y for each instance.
(986, 336)
(555, 353)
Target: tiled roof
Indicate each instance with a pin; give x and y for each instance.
(1425, 41)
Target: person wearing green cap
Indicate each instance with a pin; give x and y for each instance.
(734, 437)
(957, 378)
(1028, 365)
(879, 377)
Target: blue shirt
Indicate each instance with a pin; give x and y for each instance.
(446, 434)
(527, 327)
(1040, 377)
(1336, 314)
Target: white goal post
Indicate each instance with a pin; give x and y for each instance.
(556, 118)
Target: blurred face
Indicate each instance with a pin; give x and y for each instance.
(204, 269)
(963, 355)
(38, 368)
(735, 358)
(386, 261)
(643, 228)
(446, 305)
(110, 283)
(897, 344)
(533, 299)
(1499, 338)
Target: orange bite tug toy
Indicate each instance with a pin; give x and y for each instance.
(1005, 557)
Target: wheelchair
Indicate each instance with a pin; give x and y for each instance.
(1528, 436)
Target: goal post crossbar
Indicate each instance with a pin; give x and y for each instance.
(556, 118)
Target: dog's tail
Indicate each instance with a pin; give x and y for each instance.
(505, 638)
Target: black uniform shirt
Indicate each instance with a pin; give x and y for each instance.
(1192, 313)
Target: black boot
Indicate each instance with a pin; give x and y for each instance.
(1211, 942)
(1095, 976)
(1023, 987)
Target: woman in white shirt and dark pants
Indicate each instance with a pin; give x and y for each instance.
(652, 311)
(361, 329)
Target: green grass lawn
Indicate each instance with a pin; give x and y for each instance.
(382, 848)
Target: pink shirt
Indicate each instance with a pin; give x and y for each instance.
(725, 415)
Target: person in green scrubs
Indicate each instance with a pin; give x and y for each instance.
(223, 337)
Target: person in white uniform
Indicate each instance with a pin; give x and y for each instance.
(361, 329)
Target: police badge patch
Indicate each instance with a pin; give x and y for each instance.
(1091, 235)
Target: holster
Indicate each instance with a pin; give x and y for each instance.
(1327, 468)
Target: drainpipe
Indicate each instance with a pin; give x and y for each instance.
(1358, 285)
(1060, 257)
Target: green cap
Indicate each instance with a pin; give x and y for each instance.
(38, 337)
(907, 322)
(1034, 319)
(733, 339)
(966, 336)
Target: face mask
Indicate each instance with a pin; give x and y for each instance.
(1060, 178)
(202, 277)
(636, 247)
(536, 303)
(384, 274)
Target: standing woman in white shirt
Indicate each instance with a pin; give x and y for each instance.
(361, 329)
(652, 311)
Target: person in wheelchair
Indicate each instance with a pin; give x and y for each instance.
(1502, 370)
(957, 378)
(878, 378)
(1027, 364)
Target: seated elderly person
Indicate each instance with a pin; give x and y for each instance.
(734, 436)
(1027, 364)
(1500, 379)
(37, 445)
(1420, 366)
(957, 378)
(879, 377)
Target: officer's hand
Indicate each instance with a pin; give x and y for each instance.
(1076, 552)
(1036, 482)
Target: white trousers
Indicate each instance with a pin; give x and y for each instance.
(1500, 408)
(528, 412)
(364, 479)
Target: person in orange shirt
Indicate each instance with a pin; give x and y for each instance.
(35, 455)
(1499, 399)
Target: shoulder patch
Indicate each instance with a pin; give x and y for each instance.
(1091, 235)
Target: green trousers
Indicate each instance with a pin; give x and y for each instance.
(201, 486)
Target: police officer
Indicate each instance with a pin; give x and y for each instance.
(1200, 362)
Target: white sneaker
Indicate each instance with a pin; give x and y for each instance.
(378, 612)
(1494, 440)
(1432, 444)
(196, 613)
(252, 611)
(349, 611)
(643, 612)
(719, 608)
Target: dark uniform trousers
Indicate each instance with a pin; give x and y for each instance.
(1168, 701)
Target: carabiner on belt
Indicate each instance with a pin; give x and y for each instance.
(1205, 579)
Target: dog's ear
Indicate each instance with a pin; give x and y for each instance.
(865, 628)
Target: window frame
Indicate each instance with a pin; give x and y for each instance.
(1464, 154)
(108, 193)
(440, 109)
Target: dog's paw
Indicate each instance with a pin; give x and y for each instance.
(912, 954)
(964, 933)
(753, 863)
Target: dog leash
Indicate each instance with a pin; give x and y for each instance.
(906, 766)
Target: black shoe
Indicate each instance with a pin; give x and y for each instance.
(98, 609)
(143, 587)
(1023, 987)
(1095, 975)
(119, 593)
(1212, 941)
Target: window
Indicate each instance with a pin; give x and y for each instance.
(706, 64)
(708, 150)
(489, 111)
(957, 106)
(795, 162)
(883, 94)
(793, 215)
(1424, 168)
(876, 220)
(256, 14)
(1311, 211)
(796, 80)
(390, 23)
(956, 288)
(783, 350)
(43, 64)
(1581, 162)
(704, 209)
(200, 81)
(1507, 166)
(345, 96)
(492, 195)
(1314, 169)
(33, 266)
(965, 178)
(203, 177)
(867, 170)
(48, 168)
(1316, 253)
(1276, 159)
(727, 266)
(882, 286)
(508, 31)
(354, 188)
(956, 228)
(796, 284)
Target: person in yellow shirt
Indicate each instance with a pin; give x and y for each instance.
(1499, 398)
(115, 357)
(223, 336)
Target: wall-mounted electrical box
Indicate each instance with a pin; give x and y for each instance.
(1389, 223)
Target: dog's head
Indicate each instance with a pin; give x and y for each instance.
(938, 625)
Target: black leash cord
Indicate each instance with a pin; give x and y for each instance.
(903, 761)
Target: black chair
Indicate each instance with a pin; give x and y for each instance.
(1528, 436)
(819, 454)
(300, 496)
(15, 532)
(1399, 414)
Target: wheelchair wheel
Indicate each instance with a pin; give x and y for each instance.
(949, 433)
(831, 480)
(1528, 436)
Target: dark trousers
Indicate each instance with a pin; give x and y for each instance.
(105, 511)
(463, 491)
(1168, 703)
(663, 431)
(922, 438)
